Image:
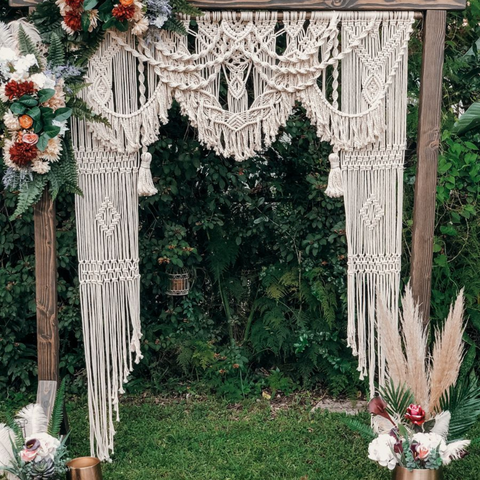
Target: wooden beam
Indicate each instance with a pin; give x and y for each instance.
(308, 4)
(427, 150)
(329, 4)
(46, 289)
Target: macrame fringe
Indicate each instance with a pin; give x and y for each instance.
(146, 188)
(335, 180)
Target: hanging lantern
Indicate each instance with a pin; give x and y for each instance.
(179, 284)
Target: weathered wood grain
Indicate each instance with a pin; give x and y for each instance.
(309, 4)
(427, 149)
(330, 4)
(46, 288)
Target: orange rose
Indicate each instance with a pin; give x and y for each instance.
(25, 121)
(30, 138)
(126, 3)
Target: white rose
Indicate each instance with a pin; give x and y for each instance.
(39, 80)
(431, 441)
(48, 444)
(380, 450)
(23, 65)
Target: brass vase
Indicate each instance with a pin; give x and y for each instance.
(84, 468)
(401, 473)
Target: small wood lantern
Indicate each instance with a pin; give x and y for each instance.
(179, 284)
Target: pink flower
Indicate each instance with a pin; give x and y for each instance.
(415, 414)
(422, 452)
(28, 455)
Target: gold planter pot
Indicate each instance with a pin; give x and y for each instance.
(401, 473)
(84, 468)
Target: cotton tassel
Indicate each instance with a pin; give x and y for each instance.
(335, 181)
(146, 188)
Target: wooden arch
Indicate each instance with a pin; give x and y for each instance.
(434, 14)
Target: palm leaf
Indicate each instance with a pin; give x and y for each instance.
(398, 398)
(463, 402)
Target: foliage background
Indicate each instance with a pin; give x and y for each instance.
(267, 252)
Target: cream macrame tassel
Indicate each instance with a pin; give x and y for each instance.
(335, 180)
(146, 188)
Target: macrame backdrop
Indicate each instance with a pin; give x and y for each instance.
(266, 69)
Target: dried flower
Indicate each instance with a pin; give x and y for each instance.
(93, 19)
(74, 4)
(53, 150)
(140, 27)
(72, 22)
(11, 121)
(14, 89)
(415, 414)
(22, 154)
(30, 138)
(25, 121)
(122, 13)
(40, 167)
(58, 100)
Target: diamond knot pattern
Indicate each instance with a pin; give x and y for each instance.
(371, 212)
(372, 88)
(107, 217)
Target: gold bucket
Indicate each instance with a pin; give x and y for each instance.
(84, 468)
(401, 473)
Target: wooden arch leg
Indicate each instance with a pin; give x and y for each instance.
(428, 143)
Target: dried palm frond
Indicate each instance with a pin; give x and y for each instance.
(32, 419)
(391, 343)
(415, 343)
(447, 354)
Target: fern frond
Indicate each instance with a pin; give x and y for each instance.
(27, 47)
(82, 111)
(29, 195)
(56, 52)
(57, 412)
(363, 430)
(174, 25)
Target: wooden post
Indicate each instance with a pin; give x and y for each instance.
(46, 298)
(428, 143)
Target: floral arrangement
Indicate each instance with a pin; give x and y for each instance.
(31, 448)
(414, 443)
(38, 93)
(430, 402)
(36, 115)
(89, 16)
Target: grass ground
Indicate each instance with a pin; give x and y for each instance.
(253, 440)
(209, 439)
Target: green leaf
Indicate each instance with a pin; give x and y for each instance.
(45, 94)
(109, 23)
(121, 26)
(43, 142)
(28, 101)
(18, 109)
(105, 8)
(52, 131)
(89, 4)
(63, 114)
(56, 52)
(29, 194)
(85, 21)
(57, 412)
(35, 113)
(470, 120)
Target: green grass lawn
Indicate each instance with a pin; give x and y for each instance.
(253, 440)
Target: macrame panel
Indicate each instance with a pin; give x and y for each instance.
(373, 183)
(300, 61)
(107, 237)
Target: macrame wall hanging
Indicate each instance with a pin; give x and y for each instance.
(267, 68)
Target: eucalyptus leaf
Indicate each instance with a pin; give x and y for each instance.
(35, 113)
(89, 4)
(43, 142)
(28, 101)
(18, 109)
(52, 131)
(45, 94)
(63, 114)
(85, 21)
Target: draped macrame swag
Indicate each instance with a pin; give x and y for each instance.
(133, 82)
